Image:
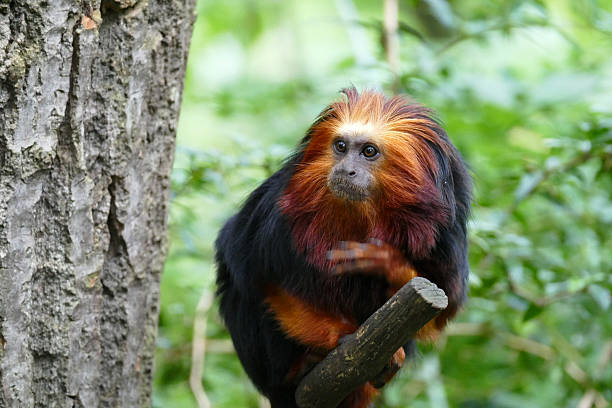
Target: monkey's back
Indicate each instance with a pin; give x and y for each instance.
(241, 250)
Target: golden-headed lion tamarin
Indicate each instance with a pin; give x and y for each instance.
(374, 195)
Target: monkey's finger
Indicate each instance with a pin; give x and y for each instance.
(352, 267)
(378, 242)
(354, 245)
(352, 249)
(344, 254)
(376, 249)
(364, 246)
(369, 265)
(345, 338)
(359, 266)
(347, 250)
(357, 253)
(341, 254)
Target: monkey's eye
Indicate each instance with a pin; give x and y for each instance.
(369, 151)
(340, 146)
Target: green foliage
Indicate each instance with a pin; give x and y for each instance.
(524, 88)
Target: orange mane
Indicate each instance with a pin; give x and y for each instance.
(407, 206)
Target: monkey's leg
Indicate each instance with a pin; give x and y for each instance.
(360, 398)
(305, 323)
(396, 362)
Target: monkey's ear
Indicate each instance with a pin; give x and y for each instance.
(351, 94)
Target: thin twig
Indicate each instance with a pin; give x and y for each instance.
(199, 349)
(263, 402)
(513, 341)
(587, 400)
(605, 358)
(391, 38)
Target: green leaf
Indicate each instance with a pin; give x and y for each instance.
(527, 184)
(532, 311)
(601, 295)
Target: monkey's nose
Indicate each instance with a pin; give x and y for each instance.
(352, 173)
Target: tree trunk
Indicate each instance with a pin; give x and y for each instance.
(89, 99)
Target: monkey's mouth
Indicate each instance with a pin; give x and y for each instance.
(347, 190)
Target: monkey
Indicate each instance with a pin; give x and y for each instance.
(374, 195)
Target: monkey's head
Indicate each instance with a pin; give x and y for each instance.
(376, 166)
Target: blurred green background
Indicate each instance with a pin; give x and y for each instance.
(524, 89)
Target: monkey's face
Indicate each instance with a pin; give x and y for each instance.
(355, 158)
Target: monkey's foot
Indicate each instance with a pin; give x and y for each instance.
(303, 365)
(392, 367)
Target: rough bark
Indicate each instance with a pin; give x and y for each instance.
(363, 354)
(89, 99)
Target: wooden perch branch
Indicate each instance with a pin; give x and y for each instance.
(363, 354)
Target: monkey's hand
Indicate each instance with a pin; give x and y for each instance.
(373, 257)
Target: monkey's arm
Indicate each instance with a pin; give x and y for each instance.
(373, 257)
(378, 258)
